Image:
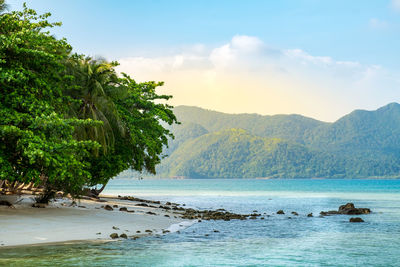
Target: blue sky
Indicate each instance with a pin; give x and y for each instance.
(160, 35)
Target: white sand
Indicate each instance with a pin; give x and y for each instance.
(24, 225)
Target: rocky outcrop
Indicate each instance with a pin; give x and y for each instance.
(280, 212)
(347, 209)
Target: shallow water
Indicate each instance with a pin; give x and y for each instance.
(274, 241)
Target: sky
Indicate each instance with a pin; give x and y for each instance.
(321, 59)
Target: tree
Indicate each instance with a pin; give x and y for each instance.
(131, 134)
(36, 141)
(68, 121)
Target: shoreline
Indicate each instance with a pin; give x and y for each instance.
(66, 221)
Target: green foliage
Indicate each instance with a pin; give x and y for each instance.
(361, 144)
(37, 142)
(69, 121)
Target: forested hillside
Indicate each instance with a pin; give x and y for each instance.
(217, 145)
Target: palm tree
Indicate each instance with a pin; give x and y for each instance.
(95, 86)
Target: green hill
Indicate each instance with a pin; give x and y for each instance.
(214, 144)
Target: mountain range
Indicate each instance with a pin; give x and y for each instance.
(210, 144)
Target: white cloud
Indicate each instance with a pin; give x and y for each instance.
(396, 4)
(246, 75)
(377, 24)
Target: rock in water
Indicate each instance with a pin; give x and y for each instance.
(356, 220)
(123, 209)
(347, 209)
(310, 215)
(108, 207)
(123, 236)
(280, 212)
(114, 235)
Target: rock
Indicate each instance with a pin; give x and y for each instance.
(108, 207)
(83, 207)
(356, 220)
(132, 211)
(98, 233)
(123, 236)
(262, 218)
(115, 228)
(150, 213)
(216, 231)
(148, 231)
(295, 213)
(6, 203)
(310, 215)
(123, 209)
(115, 206)
(114, 235)
(39, 205)
(138, 231)
(165, 231)
(168, 203)
(280, 212)
(73, 204)
(347, 209)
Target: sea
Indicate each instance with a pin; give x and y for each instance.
(276, 240)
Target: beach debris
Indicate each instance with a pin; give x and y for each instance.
(108, 207)
(310, 215)
(280, 212)
(356, 220)
(115, 228)
(123, 236)
(347, 209)
(295, 213)
(114, 235)
(123, 209)
(6, 203)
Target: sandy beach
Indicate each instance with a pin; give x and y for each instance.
(64, 221)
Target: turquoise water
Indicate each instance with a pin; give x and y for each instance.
(274, 241)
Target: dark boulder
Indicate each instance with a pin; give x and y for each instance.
(280, 212)
(123, 209)
(123, 236)
(356, 220)
(108, 207)
(114, 235)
